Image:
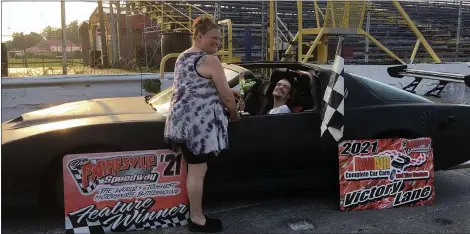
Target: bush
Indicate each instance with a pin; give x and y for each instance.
(152, 86)
(77, 54)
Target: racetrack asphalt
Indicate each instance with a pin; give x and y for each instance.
(314, 208)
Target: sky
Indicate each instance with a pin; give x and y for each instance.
(33, 16)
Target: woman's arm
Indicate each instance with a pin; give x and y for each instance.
(210, 66)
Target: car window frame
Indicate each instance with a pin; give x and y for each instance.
(318, 89)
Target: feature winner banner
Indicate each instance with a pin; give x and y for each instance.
(124, 191)
(385, 173)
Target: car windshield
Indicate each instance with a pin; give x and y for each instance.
(162, 99)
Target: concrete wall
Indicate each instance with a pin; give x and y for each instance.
(20, 95)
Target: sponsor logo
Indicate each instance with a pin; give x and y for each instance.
(115, 171)
(422, 145)
(389, 164)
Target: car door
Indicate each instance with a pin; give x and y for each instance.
(271, 145)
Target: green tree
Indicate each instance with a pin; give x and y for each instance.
(72, 32)
(51, 33)
(22, 42)
(8, 45)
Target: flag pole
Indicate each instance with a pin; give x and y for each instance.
(339, 47)
(332, 111)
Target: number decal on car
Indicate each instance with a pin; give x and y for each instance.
(360, 148)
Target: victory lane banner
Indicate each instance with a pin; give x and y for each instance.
(124, 191)
(385, 173)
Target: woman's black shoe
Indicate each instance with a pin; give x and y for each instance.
(211, 226)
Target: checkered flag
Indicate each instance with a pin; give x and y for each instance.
(333, 101)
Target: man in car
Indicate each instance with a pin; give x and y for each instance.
(282, 93)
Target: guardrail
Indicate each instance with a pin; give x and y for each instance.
(48, 81)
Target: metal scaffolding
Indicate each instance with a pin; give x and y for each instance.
(345, 18)
(436, 24)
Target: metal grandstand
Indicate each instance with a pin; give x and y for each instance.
(440, 23)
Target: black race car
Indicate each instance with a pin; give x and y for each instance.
(261, 145)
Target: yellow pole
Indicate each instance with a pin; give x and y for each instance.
(299, 23)
(230, 47)
(289, 48)
(415, 50)
(416, 31)
(332, 10)
(271, 30)
(345, 22)
(319, 10)
(322, 50)
(190, 17)
(162, 12)
(162, 63)
(315, 43)
(317, 18)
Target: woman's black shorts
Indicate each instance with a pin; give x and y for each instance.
(190, 158)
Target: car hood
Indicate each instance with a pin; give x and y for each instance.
(82, 109)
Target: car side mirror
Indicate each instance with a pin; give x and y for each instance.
(467, 80)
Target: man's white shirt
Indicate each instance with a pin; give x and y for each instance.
(279, 110)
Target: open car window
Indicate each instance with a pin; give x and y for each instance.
(164, 97)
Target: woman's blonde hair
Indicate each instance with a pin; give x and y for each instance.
(203, 24)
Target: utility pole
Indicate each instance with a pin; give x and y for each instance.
(217, 9)
(367, 30)
(64, 39)
(104, 46)
(263, 37)
(118, 28)
(271, 18)
(277, 41)
(129, 52)
(457, 42)
(112, 22)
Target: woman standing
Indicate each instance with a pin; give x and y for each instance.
(197, 123)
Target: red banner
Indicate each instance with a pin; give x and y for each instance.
(124, 191)
(385, 173)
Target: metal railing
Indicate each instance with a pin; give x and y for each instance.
(175, 55)
(226, 52)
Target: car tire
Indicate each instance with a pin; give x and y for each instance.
(59, 189)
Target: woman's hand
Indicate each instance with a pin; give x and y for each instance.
(213, 67)
(235, 117)
(236, 95)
